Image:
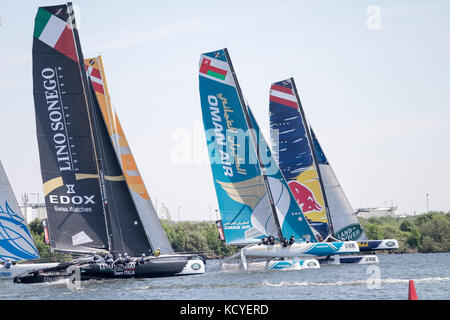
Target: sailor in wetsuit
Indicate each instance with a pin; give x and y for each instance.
(126, 258)
(142, 259)
(7, 263)
(271, 240)
(109, 260)
(119, 263)
(291, 240)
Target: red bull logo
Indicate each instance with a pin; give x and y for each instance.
(304, 197)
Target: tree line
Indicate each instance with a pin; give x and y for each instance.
(423, 233)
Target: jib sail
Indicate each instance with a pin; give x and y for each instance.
(345, 222)
(147, 213)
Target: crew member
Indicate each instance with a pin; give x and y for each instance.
(127, 258)
(291, 240)
(142, 259)
(157, 252)
(285, 242)
(271, 240)
(119, 261)
(7, 263)
(109, 259)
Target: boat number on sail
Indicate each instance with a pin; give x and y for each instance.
(57, 116)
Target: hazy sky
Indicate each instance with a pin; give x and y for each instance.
(373, 76)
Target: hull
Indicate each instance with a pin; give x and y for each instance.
(266, 265)
(18, 269)
(302, 249)
(162, 266)
(372, 245)
(337, 260)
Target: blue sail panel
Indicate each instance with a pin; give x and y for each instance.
(293, 151)
(16, 242)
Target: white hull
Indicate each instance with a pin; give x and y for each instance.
(193, 267)
(265, 265)
(302, 249)
(18, 269)
(338, 260)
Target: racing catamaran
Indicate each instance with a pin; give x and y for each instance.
(95, 198)
(254, 199)
(16, 243)
(310, 177)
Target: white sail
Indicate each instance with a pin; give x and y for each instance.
(345, 223)
(16, 242)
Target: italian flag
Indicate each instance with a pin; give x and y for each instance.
(55, 32)
(208, 69)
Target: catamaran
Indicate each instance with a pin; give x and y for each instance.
(254, 199)
(311, 178)
(95, 198)
(16, 242)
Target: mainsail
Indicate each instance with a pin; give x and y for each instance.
(293, 149)
(16, 242)
(345, 222)
(147, 213)
(254, 199)
(89, 206)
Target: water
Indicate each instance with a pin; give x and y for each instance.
(430, 272)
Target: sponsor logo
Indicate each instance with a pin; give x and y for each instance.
(351, 232)
(349, 245)
(196, 266)
(304, 197)
(5, 274)
(390, 243)
(56, 118)
(55, 199)
(311, 264)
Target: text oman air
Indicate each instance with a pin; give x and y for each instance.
(219, 135)
(55, 115)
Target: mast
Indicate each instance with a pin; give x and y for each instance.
(256, 145)
(308, 134)
(89, 103)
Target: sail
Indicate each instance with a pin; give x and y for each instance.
(245, 207)
(16, 242)
(287, 207)
(147, 213)
(127, 234)
(345, 222)
(68, 161)
(294, 153)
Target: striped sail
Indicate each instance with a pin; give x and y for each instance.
(147, 213)
(293, 152)
(240, 186)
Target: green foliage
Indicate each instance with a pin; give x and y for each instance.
(425, 233)
(196, 237)
(37, 232)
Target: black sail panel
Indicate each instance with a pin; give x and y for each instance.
(68, 163)
(127, 232)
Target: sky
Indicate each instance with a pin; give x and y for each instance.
(373, 77)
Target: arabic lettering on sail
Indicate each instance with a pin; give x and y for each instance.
(233, 135)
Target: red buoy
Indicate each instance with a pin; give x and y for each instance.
(412, 295)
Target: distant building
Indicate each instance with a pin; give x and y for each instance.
(32, 211)
(376, 212)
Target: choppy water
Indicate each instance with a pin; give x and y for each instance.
(386, 280)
